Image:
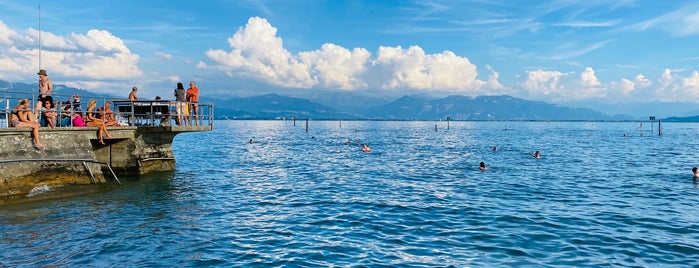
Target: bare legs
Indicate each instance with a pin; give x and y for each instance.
(35, 131)
(101, 130)
(195, 112)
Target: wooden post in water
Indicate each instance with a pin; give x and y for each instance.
(340, 123)
(294, 120)
(448, 119)
(306, 125)
(660, 132)
(435, 127)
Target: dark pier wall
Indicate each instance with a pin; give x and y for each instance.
(74, 155)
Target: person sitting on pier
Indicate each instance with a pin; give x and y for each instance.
(132, 95)
(107, 115)
(92, 121)
(21, 117)
(48, 115)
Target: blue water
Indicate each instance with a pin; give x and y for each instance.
(296, 198)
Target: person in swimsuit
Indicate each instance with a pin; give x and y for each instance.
(696, 172)
(536, 154)
(482, 166)
(21, 117)
(45, 88)
(92, 121)
(49, 115)
(132, 95)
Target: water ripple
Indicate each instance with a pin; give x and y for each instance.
(296, 198)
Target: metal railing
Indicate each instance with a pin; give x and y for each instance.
(125, 112)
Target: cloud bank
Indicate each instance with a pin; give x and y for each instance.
(90, 60)
(99, 60)
(257, 52)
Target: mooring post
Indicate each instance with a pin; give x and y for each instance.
(448, 119)
(294, 120)
(306, 124)
(435, 127)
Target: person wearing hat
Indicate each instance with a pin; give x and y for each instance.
(45, 88)
(132, 95)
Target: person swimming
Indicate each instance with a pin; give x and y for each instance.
(365, 148)
(482, 166)
(535, 154)
(695, 170)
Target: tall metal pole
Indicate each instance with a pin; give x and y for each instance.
(39, 8)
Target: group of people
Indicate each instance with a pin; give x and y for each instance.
(47, 113)
(182, 109)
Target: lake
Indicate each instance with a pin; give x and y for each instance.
(602, 194)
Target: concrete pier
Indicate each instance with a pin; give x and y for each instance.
(73, 155)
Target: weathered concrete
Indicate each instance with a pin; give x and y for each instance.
(73, 155)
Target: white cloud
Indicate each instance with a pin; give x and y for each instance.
(336, 67)
(626, 86)
(412, 68)
(77, 58)
(588, 78)
(540, 82)
(665, 79)
(163, 55)
(257, 52)
(692, 81)
(493, 82)
(641, 81)
(6, 34)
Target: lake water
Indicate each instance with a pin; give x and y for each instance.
(296, 198)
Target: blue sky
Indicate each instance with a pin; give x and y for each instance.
(556, 51)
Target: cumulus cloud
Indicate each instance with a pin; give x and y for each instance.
(590, 86)
(336, 67)
(6, 34)
(588, 78)
(413, 68)
(493, 82)
(540, 82)
(258, 53)
(79, 58)
(627, 86)
(641, 81)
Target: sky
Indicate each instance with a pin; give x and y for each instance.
(555, 51)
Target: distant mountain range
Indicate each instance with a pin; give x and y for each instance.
(357, 107)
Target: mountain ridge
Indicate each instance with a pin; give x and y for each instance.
(334, 105)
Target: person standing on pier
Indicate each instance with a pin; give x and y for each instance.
(193, 98)
(180, 103)
(45, 88)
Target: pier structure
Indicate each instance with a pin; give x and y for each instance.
(74, 155)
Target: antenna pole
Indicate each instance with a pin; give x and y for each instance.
(39, 8)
